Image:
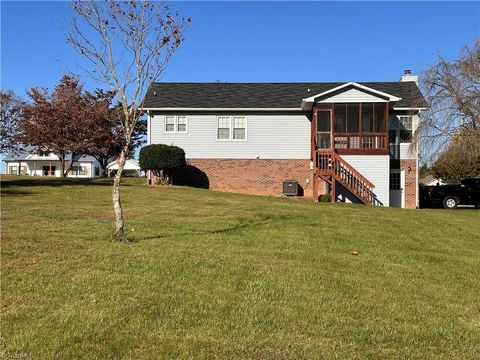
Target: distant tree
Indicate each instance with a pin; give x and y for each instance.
(460, 160)
(425, 170)
(11, 112)
(162, 160)
(108, 138)
(62, 122)
(129, 44)
(452, 89)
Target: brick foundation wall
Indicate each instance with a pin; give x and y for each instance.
(411, 186)
(250, 176)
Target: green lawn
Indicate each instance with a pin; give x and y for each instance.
(228, 276)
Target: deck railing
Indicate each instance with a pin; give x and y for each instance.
(360, 141)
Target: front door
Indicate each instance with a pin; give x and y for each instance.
(324, 128)
(48, 170)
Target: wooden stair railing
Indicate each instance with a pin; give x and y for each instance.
(331, 167)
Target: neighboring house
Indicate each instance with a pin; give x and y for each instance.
(131, 168)
(49, 164)
(351, 140)
(431, 181)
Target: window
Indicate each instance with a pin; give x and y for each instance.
(239, 127)
(392, 129)
(405, 124)
(169, 124)
(79, 170)
(43, 153)
(181, 124)
(14, 170)
(395, 180)
(223, 128)
(231, 128)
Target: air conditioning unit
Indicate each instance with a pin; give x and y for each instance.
(290, 188)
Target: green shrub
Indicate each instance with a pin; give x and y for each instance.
(162, 160)
(324, 198)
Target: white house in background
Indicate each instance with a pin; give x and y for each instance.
(431, 181)
(131, 168)
(49, 164)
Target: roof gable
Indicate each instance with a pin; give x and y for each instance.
(349, 92)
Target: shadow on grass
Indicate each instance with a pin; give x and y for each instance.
(55, 182)
(230, 229)
(12, 192)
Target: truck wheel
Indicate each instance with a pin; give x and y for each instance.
(450, 202)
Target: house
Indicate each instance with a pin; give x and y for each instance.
(131, 168)
(350, 140)
(31, 163)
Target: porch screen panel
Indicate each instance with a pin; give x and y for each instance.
(367, 117)
(352, 117)
(379, 117)
(339, 123)
(323, 129)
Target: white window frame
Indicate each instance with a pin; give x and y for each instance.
(175, 124)
(186, 124)
(399, 121)
(231, 127)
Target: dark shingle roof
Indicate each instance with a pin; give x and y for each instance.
(262, 95)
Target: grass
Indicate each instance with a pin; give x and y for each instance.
(229, 276)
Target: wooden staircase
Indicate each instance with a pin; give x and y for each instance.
(331, 168)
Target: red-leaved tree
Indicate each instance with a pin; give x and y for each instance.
(62, 122)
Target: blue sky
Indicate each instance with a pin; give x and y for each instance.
(259, 41)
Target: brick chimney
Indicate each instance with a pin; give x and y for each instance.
(407, 76)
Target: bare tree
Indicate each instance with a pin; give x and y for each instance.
(128, 45)
(452, 89)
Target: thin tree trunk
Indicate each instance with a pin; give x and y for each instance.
(62, 158)
(67, 170)
(117, 205)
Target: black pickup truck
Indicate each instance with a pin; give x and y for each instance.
(450, 196)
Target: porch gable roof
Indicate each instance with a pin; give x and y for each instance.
(383, 96)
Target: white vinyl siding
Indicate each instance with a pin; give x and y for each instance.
(267, 136)
(352, 96)
(376, 168)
